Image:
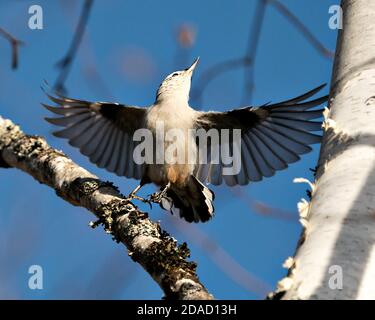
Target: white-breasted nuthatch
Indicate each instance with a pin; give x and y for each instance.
(272, 136)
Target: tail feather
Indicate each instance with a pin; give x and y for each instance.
(193, 202)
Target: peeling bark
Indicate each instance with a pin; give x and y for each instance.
(154, 249)
(339, 222)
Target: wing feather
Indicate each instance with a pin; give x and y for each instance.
(102, 131)
(273, 136)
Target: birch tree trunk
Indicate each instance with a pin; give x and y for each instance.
(335, 258)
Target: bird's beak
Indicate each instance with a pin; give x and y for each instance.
(192, 67)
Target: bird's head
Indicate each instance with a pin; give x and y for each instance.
(176, 86)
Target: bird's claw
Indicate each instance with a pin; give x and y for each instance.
(158, 196)
(134, 196)
(153, 198)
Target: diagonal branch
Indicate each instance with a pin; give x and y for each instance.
(66, 62)
(301, 27)
(154, 249)
(252, 48)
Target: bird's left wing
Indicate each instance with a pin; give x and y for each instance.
(102, 131)
(272, 136)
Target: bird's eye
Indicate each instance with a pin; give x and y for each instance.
(175, 74)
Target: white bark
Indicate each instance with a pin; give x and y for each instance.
(340, 220)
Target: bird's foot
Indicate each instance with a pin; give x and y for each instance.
(158, 196)
(132, 196)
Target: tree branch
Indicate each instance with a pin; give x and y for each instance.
(15, 43)
(247, 61)
(252, 48)
(65, 63)
(301, 27)
(154, 249)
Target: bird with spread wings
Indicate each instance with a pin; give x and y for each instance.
(272, 136)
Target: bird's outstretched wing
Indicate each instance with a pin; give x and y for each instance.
(102, 131)
(271, 137)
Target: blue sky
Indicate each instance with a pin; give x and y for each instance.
(132, 45)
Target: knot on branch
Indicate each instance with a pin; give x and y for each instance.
(112, 211)
(84, 187)
(166, 254)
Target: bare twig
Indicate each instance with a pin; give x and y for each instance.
(300, 26)
(15, 43)
(264, 209)
(94, 80)
(65, 63)
(248, 60)
(156, 251)
(252, 46)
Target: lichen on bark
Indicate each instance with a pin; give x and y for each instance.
(154, 249)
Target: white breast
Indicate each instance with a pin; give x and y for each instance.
(171, 117)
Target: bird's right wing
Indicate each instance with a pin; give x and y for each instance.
(102, 131)
(272, 136)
